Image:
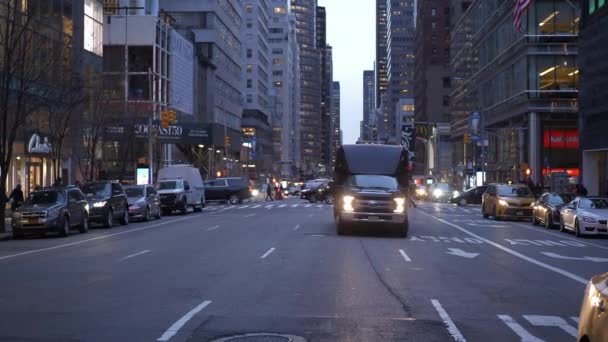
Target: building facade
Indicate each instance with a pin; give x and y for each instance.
(310, 86)
(215, 28)
(593, 95)
(336, 132)
(285, 84)
(369, 104)
(258, 109)
(400, 63)
(326, 79)
(523, 84)
(381, 48)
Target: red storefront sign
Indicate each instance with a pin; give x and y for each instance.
(560, 138)
(572, 172)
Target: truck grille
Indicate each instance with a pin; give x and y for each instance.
(374, 206)
(167, 198)
(36, 214)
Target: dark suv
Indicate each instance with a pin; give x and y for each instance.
(107, 202)
(233, 190)
(52, 210)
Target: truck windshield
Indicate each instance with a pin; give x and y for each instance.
(168, 185)
(373, 181)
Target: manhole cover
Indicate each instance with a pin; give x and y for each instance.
(262, 338)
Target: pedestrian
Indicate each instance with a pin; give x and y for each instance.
(581, 190)
(58, 182)
(268, 192)
(16, 197)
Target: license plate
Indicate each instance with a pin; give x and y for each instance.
(519, 213)
(373, 218)
(32, 221)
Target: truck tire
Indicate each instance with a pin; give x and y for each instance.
(184, 207)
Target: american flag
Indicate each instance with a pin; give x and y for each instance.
(518, 11)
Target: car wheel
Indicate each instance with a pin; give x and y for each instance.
(577, 229)
(124, 220)
(562, 226)
(548, 221)
(109, 222)
(483, 211)
(18, 234)
(159, 213)
(463, 202)
(494, 214)
(64, 230)
(184, 207)
(146, 214)
(233, 199)
(341, 227)
(84, 225)
(534, 219)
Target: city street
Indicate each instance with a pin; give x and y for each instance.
(279, 267)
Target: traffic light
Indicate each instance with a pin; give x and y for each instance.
(171, 117)
(226, 140)
(467, 138)
(164, 119)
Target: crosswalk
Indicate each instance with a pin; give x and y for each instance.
(266, 206)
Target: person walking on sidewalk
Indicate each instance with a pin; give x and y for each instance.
(16, 197)
(268, 192)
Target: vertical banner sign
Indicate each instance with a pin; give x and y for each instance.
(408, 138)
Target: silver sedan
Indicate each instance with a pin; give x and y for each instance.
(585, 216)
(144, 202)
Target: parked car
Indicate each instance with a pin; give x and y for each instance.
(313, 190)
(233, 190)
(144, 202)
(52, 210)
(370, 188)
(471, 196)
(180, 187)
(107, 202)
(441, 192)
(547, 208)
(593, 319)
(585, 216)
(503, 201)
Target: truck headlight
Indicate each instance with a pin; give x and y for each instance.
(348, 203)
(400, 205)
(455, 193)
(100, 204)
(503, 203)
(255, 192)
(421, 192)
(437, 193)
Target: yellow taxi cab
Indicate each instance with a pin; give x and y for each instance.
(503, 201)
(593, 319)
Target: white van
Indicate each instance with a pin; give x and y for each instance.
(180, 187)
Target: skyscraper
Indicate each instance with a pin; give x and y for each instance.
(310, 84)
(285, 78)
(381, 36)
(369, 103)
(335, 120)
(400, 61)
(326, 79)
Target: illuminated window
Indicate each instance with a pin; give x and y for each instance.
(249, 68)
(280, 10)
(93, 27)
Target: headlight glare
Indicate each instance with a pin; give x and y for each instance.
(100, 204)
(348, 203)
(255, 192)
(400, 205)
(503, 203)
(455, 193)
(437, 193)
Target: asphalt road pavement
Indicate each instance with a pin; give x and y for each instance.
(279, 268)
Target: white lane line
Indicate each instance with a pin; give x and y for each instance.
(514, 253)
(407, 258)
(576, 319)
(282, 205)
(174, 329)
(448, 321)
(465, 210)
(308, 206)
(134, 255)
(319, 205)
(559, 235)
(256, 206)
(552, 321)
(267, 253)
(296, 227)
(95, 238)
(244, 206)
(269, 206)
(213, 228)
(295, 205)
(249, 215)
(518, 329)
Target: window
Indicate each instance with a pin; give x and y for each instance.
(249, 84)
(280, 10)
(277, 51)
(277, 84)
(433, 12)
(249, 24)
(446, 100)
(249, 53)
(93, 27)
(249, 8)
(276, 61)
(249, 68)
(249, 98)
(277, 73)
(446, 82)
(434, 25)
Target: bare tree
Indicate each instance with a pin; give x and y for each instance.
(25, 60)
(62, 108)
(94, 127)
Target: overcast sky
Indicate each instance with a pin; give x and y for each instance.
(351, 33)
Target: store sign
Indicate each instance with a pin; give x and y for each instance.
(38, 144)
(175, 134)
(561, 138)
(571, 172)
